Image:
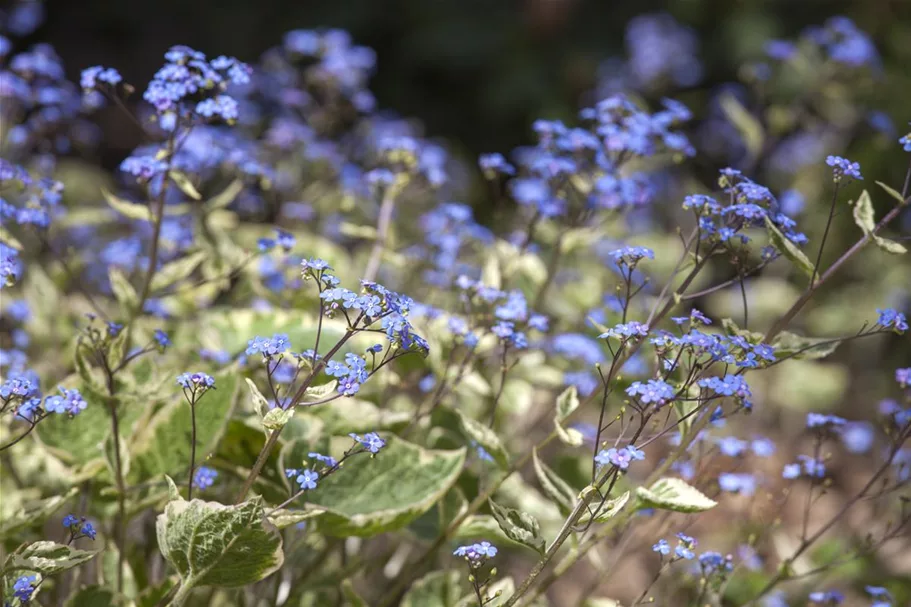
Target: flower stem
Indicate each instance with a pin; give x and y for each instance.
(192, 449)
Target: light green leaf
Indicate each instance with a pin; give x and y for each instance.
(352, 598)
(490, 273)
(277, 417)
(567, 402)
(183, 182)
(787, 345)
(9, 240)
(314, 393)
(128, 209)
(177, 270)
(210, 544)
(163, 446)
(260, 402)
(674, 494)
(436, 589)
(611, 508)
(889, 246)
(788, 249)
(225, 197)
(124, 292)
(863, 213)
(282, 517)
(518, 526)
(78, 440)
(110, 460)
(555, 487)
(33, 513)
(731, 328)
(372, 495)
(485, 437)
(601, 602)
(47, 558)
(749, 127)
(891, 192)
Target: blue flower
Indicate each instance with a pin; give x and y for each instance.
(662, 547)
(626, 331)
(268, 347)
(204, 477)
(24, 587)
(621, 458)
(655, 391)
(371, 441)
(732, 446)
(196, 381)
(742, 483)
(630, 256)
(494, 163)
(308, 479)
(842, 168)
(892, 319)
(821, 420)
(830, 597)
(97, 74)
(881, 596)
(70, 520)
(328, 460)
(69, 401)
(162, 338)
(903, 377)
(476, 554)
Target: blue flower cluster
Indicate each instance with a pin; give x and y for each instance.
(371, 441)
(621, 458)
(204, 477)
(350, 374)
(476, 554)
(79, 527)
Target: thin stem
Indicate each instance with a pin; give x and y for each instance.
(156, 230)
(273, 437)
(192, 448)
(552, 265)
(20, 437)
(825, 235)
(382, 234)
(496, 401)
(795, 309)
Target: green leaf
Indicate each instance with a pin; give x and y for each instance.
(352, 598)
(863, 213)
(674, 494)
(47, 558)
(889, 246)
(9, 240)
(567, 402)
(436, 589)
(210, 544)
(731, 328)
(225, 197)
(372, 495)
(183, 182)
(518, 526)
(128, 209)
(788, 344)
(277, 417)
(93, 596)
(163, 446)
(34, 513)
(110, 460)
(315, 393)
(260, 402)
(892, 192)
(555, 487)
(611, 508)
(177, 270)
(124, 292)
(283, 517)
(749, 127)
(788, 249)
(79, 440)
(486, 438)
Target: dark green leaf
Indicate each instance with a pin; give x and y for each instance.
(791, 345)
(892, 192)
(436, 589)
